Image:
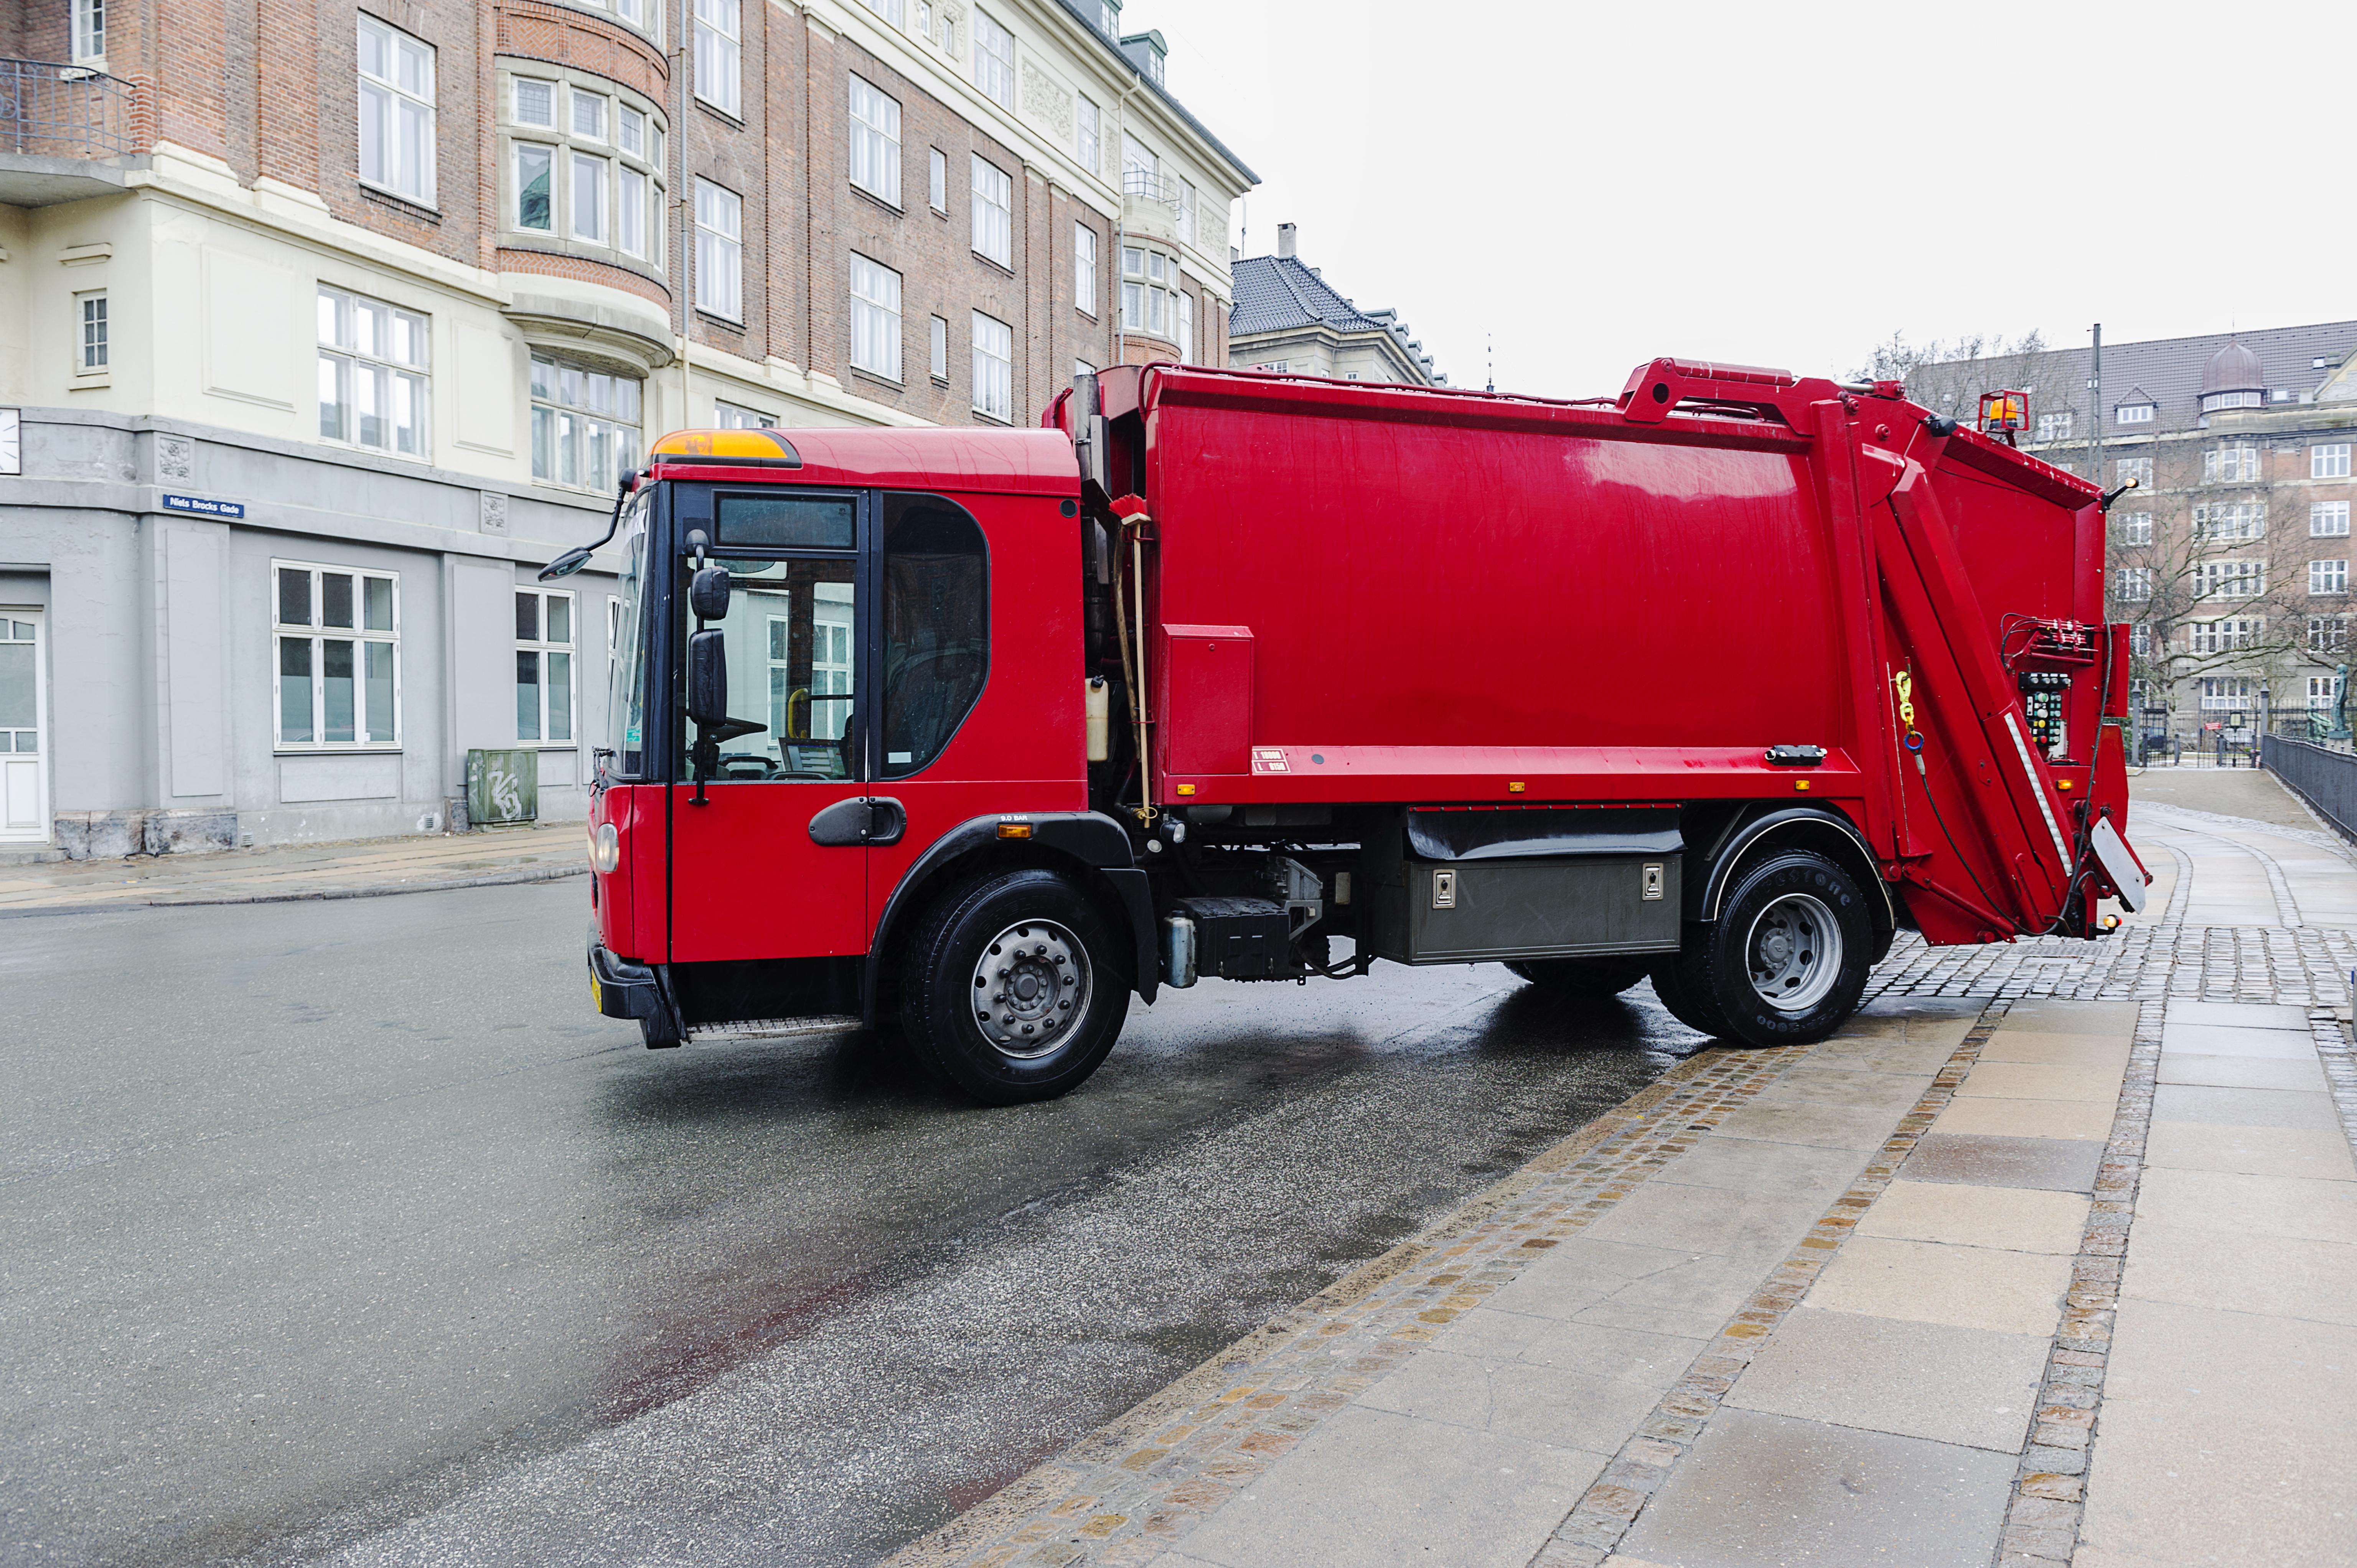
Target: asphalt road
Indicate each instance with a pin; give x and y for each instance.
(346, 1231)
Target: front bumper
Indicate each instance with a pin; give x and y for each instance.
(620, 988)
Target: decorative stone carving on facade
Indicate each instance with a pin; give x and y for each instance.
(175, 457)
(1046, 101)
(495, 513)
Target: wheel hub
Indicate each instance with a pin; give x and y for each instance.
(1031, 986)
(1794, 952)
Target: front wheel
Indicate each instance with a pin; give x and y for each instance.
(1787, 960)
(1010, 987)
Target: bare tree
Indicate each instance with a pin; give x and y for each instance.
(1949, 376)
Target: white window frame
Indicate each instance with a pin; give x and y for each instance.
(2137, 468)
(89, 28)
(595, 107)
(2229, 636)
(2328, 577)
(1084, 269)
(937, 180)
(2225, 694)
(2234, 465)
(2327, 520)
(394, 106)
(994, 212)
(887, 9)
(994, 59)
(590, 218)
(93, 333)
(719, 54)
(626, 215)
(874, 317)
(874, 151)
(2130, 584)
(2132, 527)
(318, 634)
(993, 368)
(2055, 426)
(719, 250)
(341, 358)
(517, 86)
(1183, 306)
(937, 336)
(1087, 132)
(2326, 634)
(736, 416)
(2133, 414)
(2229, 579)
(2223, 520)
(546, 648)
(558, 421)
(2329, 461)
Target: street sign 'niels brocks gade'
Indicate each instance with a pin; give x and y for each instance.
(1723, 681)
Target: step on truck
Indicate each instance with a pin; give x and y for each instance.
(1722, 683)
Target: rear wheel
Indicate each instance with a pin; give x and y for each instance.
(1594, 979)
(1010, 988)
(1787, 960)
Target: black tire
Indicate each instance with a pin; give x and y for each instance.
(1764, 974)
(1693, 1011)
(1589, 978)
(1078, 1000)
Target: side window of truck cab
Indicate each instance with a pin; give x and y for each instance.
(936, 585)
(790, 635)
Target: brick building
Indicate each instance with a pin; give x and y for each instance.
(2229, 559)
(1288, 318)
(323, 327)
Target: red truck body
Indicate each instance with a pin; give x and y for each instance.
(1429, 639)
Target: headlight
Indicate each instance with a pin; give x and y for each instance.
(605, 848)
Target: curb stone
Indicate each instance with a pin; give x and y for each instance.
(498, 879)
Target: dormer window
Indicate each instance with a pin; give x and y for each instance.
(2133, 414)
(2213, 401)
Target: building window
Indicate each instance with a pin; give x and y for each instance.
(2228, 580)
(2229, 466)
(937, 181)
(2326, 634)
(2054, 426)
(544, 684)
(90, 345)
(2140, 639)
(589, 197)
(735, 416)
(2225, 692)
(1183, 309)
(993, 60)
(994, 367)
(2225, 521)
(584, 425)
(396, 101)
(2328, 576)
(1141, 168)
(1085, 268)
(994, 212)
(608, 197)
(1088, 129)
(887, 9)
(1148, 282)
(2222, 636)
(938, 330)
(2327, 520)
(2132, 527)
(717, 54)
(874, 142)
(1187, 211)
(2132, 585)
(338, 636)
(631, 11)
(874, 317)
(372, 368)
(719, 250)
(2233, 399)
(2133, 414)
(2329, 462)
(2137, 468)
(89, 32)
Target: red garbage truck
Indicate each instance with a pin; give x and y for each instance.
(1721, 682)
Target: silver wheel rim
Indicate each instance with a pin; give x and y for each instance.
(1793, 952)
(1030, 989)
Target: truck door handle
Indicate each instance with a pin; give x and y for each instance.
(859, 820)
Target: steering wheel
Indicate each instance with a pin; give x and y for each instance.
(747, 766)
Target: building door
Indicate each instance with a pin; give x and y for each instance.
(24, 729)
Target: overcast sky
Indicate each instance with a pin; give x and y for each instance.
(1784, 184)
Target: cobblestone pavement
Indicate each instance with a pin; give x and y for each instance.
(358, 869)
(1644, 1461)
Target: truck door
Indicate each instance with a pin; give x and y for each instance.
(758, 869)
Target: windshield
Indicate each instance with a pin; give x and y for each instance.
(626, 703)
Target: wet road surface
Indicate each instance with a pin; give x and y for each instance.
(346, 1230)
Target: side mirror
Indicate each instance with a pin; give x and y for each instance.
(707, 594)
(564, 565)
(708, 676)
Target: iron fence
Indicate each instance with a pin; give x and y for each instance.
(2325, 779)
(64, 112)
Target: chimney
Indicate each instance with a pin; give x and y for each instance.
(1285, 239)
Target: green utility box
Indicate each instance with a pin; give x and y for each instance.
(502, 787)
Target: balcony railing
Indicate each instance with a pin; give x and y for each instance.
(1152, 187)
(64, 112)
